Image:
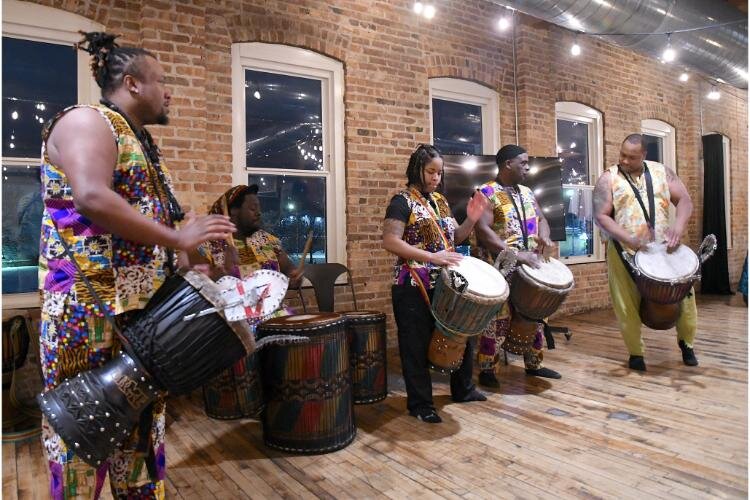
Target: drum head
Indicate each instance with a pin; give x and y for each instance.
(482, 278)
(552, 273)
(269, 287)
(301, 321)
(655, 262)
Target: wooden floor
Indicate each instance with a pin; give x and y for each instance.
(601, 431)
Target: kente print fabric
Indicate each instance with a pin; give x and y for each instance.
(74, 335)
(506, 221)
(261, 250)
(422, 232)
(628, 212)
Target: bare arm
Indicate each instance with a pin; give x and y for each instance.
(486, 237)
(82, 145)
(393, 233)
(544, 230)
(603, 208)
(293, 272)
(684, 205)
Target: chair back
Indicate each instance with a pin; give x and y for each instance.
(323, 278)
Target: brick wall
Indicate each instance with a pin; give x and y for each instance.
(388, 55)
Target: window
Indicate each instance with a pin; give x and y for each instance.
(288, 138)
(464, 117)
(42, 75)
(580, 147)
(660, 142)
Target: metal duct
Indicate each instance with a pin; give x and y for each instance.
(719, 52)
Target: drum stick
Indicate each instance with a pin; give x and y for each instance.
(225, 211)
(308, 246)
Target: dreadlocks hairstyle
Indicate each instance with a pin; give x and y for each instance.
(423, 155)
(110, 62)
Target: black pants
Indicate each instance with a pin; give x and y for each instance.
(415, 325)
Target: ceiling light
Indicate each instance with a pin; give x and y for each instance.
(418, 7)
(503, 24)
(575, 50)
(429, 11)
(669, 54)
(714, 95)
(684, 77)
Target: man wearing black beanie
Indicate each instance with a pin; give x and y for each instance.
(514, 223)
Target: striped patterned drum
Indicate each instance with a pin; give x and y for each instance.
(367, 346)
(236, 392)
(307, 386)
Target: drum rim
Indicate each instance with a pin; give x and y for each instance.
(681, 279)
(281, 323)
(523, 271)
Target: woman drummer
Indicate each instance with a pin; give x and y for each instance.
(421, 231)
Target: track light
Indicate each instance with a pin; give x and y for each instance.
(714, 95)
(684, 77)
(575, 50)
(503, 24)
(418, 7)
(669, 54)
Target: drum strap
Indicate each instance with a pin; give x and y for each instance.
(415, 277)
(520, 214)
(434, 216)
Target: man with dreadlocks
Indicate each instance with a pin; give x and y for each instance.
(513, 222)
(420, 230)
(108, 238)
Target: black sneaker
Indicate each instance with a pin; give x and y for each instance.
(543, 372)
(637, 363)
(473, 395)
(688, 355)
(427, 415)
(487, 378)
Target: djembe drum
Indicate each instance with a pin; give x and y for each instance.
(535, 294)
(665, 278)
(236, 392)
(179, 340)
(307, 387)
(367, 353)
(467, 297)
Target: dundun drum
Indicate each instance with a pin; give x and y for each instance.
(307, 386)
(537, 293)
(367, 351)
(236, 392)
(467, 297)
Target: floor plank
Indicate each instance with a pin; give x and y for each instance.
(602, 431)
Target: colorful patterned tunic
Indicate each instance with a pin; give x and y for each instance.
(423, 230)
(628, 212)
(74, 334)
(506, 221)
(261, 250)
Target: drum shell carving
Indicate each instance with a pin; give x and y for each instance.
(236, 392)
(533, 299)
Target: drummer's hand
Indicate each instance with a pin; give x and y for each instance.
(445, 258)
(543, 244)
(477, 205)
(295, 277)
(199, 229)
(672, 237)
(529, 258)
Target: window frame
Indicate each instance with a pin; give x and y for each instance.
(468, 92)
(295, 61)
(40, 23)
(578, 112)
(666, 131)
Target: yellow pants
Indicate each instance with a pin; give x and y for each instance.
(626, 302)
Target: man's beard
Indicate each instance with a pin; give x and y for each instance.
(162, 119)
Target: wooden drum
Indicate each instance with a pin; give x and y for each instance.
(466, 298)
(307, 386)
(538, 293)
(367, 353)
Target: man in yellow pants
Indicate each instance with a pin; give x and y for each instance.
(631, 206)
